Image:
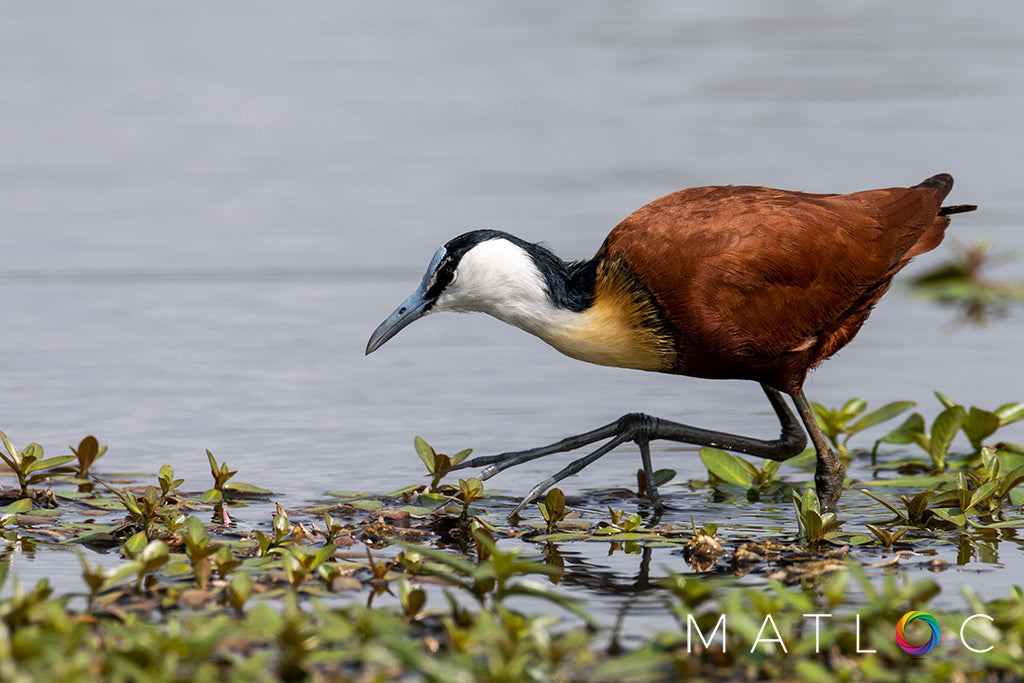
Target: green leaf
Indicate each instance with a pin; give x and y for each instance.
(365, 504)
(1007, 524)
(49, 463)
(212, 496)
(323, 555)
(663, 476)
(239, 589)
(908, 481)
(460, 456)
(726, 466)
(113, 504)
(17, 507)
(544, 512)
(906, 432)
(748, 467)
(10, 449)
(29, 455)
(828, 420)
(632, 522)
(957, 518)
(883, 502)
(87, 452)
(1010, 412)
(135, 545)
(554, 502)
(812, 525)
(426, 453)
(154, 554)
(1009, 481)
(979, 425)
(809, 501)
(852, 408)
(768, 470)
(883, 535)
(242, 487)
(195, 531)
(917, 504)
(944, 429)
(946, 400)
(982, 493)
(115, 574)
(453, 562)
(886, 412)
(473, 487)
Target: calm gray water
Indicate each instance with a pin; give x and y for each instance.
(206, 208)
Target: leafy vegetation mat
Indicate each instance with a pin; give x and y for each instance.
(430, 582)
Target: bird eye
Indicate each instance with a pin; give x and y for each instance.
(401, 310)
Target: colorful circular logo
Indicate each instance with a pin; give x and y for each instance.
(917, 649)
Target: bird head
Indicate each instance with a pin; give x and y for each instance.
(484, 270)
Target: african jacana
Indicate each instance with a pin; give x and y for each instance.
(717, 282)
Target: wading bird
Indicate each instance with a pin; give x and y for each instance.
(726, 282)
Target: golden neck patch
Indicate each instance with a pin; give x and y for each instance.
(623, 327)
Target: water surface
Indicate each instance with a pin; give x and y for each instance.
(206, 209)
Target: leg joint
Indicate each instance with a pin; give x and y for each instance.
(793, 440)
(638, 426)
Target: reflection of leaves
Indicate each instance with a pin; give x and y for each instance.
(961, 283)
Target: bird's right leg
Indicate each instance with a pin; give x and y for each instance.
(642, 429)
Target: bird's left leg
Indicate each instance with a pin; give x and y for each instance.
(829, 470)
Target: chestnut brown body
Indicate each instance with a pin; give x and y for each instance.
(763, 284)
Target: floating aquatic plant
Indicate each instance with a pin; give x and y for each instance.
(840, 422)
(459, 614)
(28, 464)
(552, 509)
(437, 463)
(88, 452)
(735, 469)
(815, 527)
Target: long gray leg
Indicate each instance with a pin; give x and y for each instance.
(642, 429)
(829, 470)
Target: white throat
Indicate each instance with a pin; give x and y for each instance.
(499, 278)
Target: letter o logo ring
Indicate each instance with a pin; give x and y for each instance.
(917, 649)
